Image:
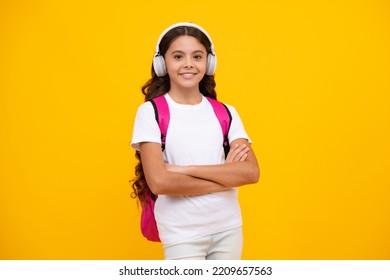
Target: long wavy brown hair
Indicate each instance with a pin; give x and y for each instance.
(157, 86)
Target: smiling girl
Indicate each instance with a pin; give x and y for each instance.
(197, 210)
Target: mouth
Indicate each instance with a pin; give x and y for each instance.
(187, 74)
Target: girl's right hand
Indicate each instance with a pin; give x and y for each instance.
(237, 153)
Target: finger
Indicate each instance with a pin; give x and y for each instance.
(239, 152)
(232, 153)
(243, 158)
(242, 155)
(237, 149)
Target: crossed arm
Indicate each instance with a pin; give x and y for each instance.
(240, 168)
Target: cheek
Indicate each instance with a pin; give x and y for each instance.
(202, 65)
(170, 65)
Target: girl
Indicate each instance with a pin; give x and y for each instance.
(197, 210)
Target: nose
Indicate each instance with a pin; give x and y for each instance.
(188, 63)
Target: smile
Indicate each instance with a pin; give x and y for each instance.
(187, 74)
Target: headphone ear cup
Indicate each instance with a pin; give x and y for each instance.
(159, 66)
(211, 64)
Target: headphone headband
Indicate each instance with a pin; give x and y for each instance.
(185, 24)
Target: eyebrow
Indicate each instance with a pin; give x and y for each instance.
(181, 52)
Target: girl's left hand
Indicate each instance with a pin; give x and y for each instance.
(237, 153)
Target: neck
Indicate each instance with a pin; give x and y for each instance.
(190, 97)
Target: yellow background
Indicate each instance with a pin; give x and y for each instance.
(310, 80)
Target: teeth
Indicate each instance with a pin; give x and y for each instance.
(187, 74)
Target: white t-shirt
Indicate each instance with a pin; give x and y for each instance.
(194, 137)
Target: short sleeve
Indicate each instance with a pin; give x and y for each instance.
(237, 129)
(145, 126)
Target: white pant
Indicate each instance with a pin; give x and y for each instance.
(226, 245)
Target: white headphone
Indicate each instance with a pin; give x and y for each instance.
(159, 63)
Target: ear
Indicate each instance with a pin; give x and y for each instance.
(211, 64)
(159, 66)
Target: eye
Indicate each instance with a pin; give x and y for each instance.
(198, 57)
(177, 57)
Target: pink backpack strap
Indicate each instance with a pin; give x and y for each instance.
(225, 118)
(148, 222)
(161, 112)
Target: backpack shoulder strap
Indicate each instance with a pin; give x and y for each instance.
(161, 112)
(225, 119)
(162, 116)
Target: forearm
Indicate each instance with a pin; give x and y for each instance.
(240, 167)
(196, 180)
(232, 174)
(181, 184)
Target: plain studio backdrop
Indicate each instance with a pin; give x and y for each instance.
(309, 79)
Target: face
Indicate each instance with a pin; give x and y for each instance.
(186, 60)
